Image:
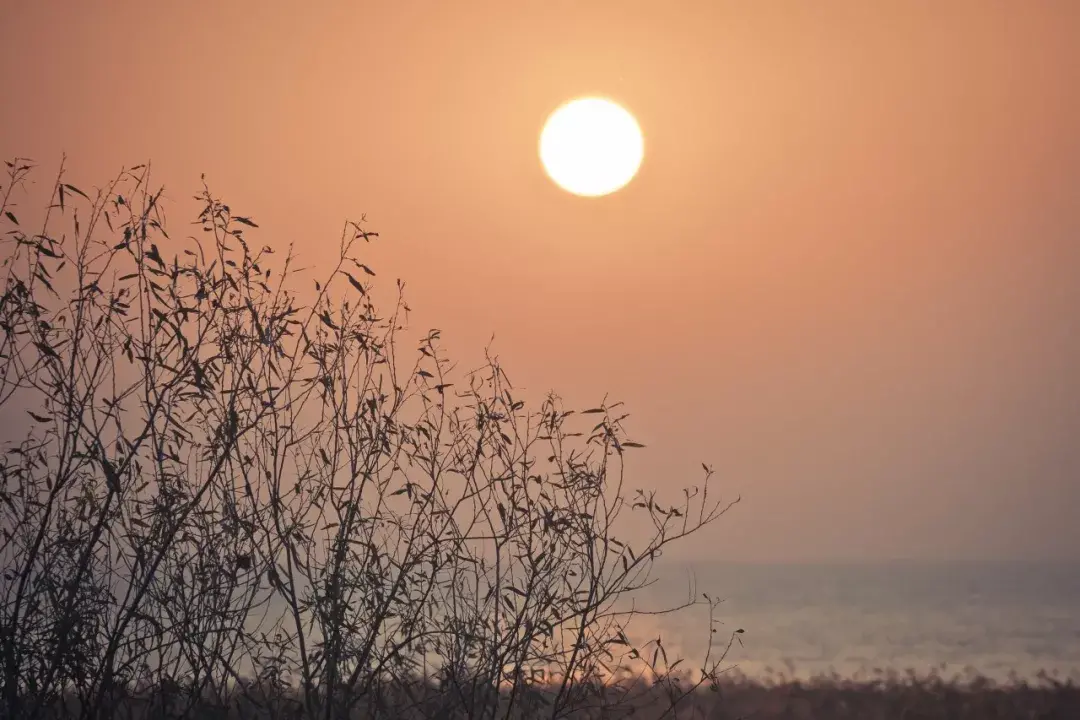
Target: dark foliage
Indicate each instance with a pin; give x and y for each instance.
(225, 491)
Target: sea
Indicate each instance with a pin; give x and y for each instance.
(1007, 622)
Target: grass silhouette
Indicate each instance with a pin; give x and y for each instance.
(891, 696)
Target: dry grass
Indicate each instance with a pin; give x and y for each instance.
(892, 696)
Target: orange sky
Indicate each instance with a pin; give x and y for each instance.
(848, 273)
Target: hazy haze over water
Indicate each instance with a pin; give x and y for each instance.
(996, 618)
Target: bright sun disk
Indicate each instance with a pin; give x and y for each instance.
(591, 146)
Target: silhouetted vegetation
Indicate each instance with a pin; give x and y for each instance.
(887, 696)
(891, 696)
(226, 492)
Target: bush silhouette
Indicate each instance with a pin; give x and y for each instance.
(228, 492)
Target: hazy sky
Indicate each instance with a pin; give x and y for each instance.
(848, 273)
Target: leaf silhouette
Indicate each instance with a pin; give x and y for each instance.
(46, 349)
(155, 255)
(75, 190)
(354, 282)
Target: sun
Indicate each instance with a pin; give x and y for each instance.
(591, 146)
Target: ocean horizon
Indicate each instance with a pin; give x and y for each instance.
(1007, 621)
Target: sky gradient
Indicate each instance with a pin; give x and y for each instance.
(847, 274)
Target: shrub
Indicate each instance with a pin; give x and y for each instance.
(230, 490)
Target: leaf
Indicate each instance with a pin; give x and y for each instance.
(46, 350)
(354, 282)
(592, 411)
(11, 217)
(75, 190)
(425, 373)
(39, 418)
(244, 221)
(632, 444)
(155, 255)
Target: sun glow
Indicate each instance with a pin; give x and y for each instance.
(591, 146)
